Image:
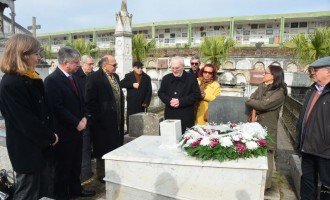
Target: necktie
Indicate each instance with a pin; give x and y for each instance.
(73, 85)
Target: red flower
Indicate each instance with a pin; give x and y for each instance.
(262, 143)
(215, 142)
(241, 148)
(196, 143)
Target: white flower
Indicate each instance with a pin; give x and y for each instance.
(247, 136)
(205, 141)
(251, 145)
(237, 137)
(225, 141)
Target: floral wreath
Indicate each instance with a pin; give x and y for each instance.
(225, 141)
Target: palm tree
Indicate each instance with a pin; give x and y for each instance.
(84, 47)
(215, 49)
(140, 47)
(46, 52)
(311, 47)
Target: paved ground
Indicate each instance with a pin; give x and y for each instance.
(282, 188)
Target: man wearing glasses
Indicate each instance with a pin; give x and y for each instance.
(139, 91)
(105, 110)
(314, 133)
(179, 91)
(87, 64)
(194, 63)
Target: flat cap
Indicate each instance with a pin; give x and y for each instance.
(322, 62)
(137, 64)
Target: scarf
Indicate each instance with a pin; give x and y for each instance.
(31, 73)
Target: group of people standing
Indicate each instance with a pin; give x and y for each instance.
(46, 121)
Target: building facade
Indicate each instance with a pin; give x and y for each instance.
(271, 30)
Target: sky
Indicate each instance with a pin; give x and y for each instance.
(66, 15)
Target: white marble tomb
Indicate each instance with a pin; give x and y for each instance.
(141, 170)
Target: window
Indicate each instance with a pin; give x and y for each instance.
(172, 35)
(294, 25)
(302, 24)
(203, 34)
(269, 25)
(216, 28)
(184, 34)
(167, 30)
(161, 35)
(262, 25)
(246, 32)
(254, 26)
(269, 32)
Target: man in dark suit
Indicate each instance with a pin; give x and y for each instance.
(139, 91)
(87, 64)
(66, 101)
(105, 110)
(179, 91)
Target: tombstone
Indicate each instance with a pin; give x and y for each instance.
(228, 109)
(171, 133)
(144, 124)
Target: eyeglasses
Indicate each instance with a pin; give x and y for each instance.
(314, 70)
(114, 65)
(90, 64)
(74, 62)
(194, 63)
(139, 67)
(206, 72)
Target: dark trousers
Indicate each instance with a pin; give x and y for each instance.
(314, 167)
(27, 186)
(68, 157)
(36, 185)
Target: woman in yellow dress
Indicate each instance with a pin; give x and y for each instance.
(210, 89)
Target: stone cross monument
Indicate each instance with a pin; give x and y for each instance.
(123, 35)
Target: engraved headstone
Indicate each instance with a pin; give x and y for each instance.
(144, 124)
(228, 109)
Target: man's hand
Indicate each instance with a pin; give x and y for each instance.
(56, 140)
(136, 85)
(82, 124)
(174, 102)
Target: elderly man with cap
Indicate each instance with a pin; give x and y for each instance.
(313, 128)
(139, 91)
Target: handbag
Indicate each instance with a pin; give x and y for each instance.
(252, 116)
(7, 188)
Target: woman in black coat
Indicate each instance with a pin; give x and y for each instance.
(29, 140)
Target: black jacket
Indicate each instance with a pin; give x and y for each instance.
(66, 106)
(28, 136)
(317, 128)
(186, 89)
(136, 97)
(102, 111)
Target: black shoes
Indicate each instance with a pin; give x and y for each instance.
(86, 193)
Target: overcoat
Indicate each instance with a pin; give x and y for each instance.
(137, 96)
(268, 104)
(28, 136)
(101, 109)
(186, 89)
(66, 106)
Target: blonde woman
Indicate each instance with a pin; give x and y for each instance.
(22, 101)
(210, 89)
